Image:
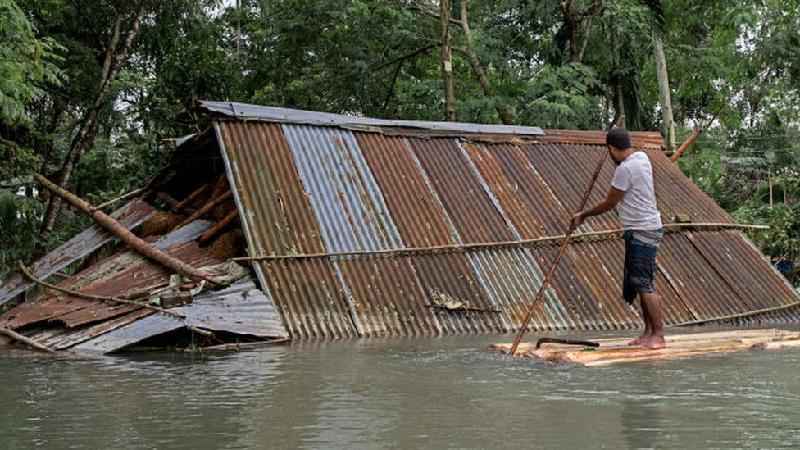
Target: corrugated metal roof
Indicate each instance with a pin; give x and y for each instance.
(246, 111)
(241, 308)
(130, 216)
(365, 192)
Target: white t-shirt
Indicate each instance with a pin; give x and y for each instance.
(638, 209)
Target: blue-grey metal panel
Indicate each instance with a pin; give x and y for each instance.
(296, 116)
(241, 308)
(345, 197)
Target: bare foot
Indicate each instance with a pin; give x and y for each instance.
(654, 342)
(638, 341)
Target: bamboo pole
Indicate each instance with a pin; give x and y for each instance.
(130, 194)
(540, 294)
(74, 293)
(136, 243)
(25, 340)
(493, 245)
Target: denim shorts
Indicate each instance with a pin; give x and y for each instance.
(640, 262)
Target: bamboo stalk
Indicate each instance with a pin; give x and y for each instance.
(74, 293)
(735, 316)
(136, 243)
(130, 194)
(564, 244)
(491, 245)
(25, 340)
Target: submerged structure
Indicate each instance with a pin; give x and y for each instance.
(345, 226)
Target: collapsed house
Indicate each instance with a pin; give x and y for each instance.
(329, 226)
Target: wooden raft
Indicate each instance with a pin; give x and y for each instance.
(616, 351)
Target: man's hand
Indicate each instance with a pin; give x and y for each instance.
(577, 220)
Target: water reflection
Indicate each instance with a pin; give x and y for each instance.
(446, 393)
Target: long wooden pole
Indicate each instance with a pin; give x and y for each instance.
(522, 243)
(25, 340)
(540, 294)
(139, 245)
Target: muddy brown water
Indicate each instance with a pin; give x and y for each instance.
(442, 393)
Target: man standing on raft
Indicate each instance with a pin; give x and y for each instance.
(633, 194)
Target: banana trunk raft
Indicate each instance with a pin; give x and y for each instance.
(617, 350)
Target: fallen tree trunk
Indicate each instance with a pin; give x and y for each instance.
(136, 243)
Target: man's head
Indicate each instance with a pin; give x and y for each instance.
(618, 141)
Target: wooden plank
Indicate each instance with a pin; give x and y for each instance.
(615, 351)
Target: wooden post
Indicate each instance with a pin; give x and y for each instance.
(689, 141)
(206, 208)
(137, 244)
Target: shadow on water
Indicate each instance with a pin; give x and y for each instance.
(443, 393)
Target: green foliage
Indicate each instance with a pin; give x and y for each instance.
(732, 60)
(26, 62)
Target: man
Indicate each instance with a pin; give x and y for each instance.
(633, 195)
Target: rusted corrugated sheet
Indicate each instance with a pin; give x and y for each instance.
(277, 212)
(567, 170)
(698, 283)
(511, 278)
(367, 191)
(343, 193)
(311, 298)
(386, 298)
(639, 139)
(417, 212)
(759, 285)
(678, 195)
(117, 276)
(450, 277)
(472, 211)
(130, 216)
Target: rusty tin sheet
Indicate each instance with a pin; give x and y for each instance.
(75, 311)
(417, 212)
(699, 284)
(311, 298)
(514, 198)
(130, 216)
(386, 297)
(461, 191)
(760, 285)
(275, 203)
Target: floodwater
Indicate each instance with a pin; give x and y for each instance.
(441, 393)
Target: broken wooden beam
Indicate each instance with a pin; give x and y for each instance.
(169, 200)
(206, 208)
(191, 197)
(689, 141)
(136, 243)
(219, 226)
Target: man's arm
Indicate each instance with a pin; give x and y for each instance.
(614, 196)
